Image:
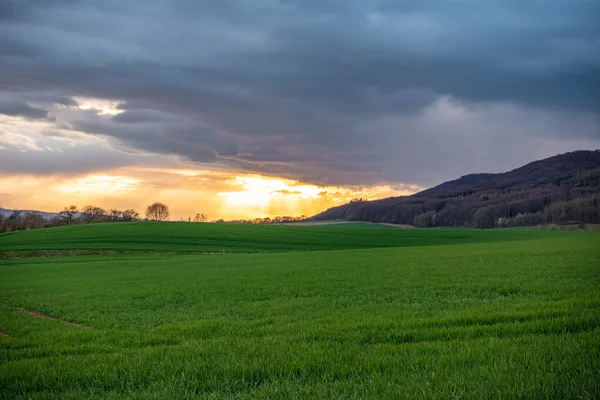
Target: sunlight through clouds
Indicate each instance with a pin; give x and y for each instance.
(100, 184)
(264, 196)
(101, 106)
(187, 191)
(17, 141)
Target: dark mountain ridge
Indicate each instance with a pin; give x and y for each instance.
(559, 189)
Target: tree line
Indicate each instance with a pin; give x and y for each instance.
(24, 220)
(72, 215)
(477, 210)
(267, 220)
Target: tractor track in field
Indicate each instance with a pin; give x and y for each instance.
(45, 316)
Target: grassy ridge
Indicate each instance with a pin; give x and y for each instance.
(235, 238)
(496, 319)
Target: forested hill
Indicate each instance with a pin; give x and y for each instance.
(560, 189)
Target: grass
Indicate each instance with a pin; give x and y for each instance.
(444, 314)
(236, 238)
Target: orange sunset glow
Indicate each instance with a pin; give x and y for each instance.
(221, 195)
(146, 177)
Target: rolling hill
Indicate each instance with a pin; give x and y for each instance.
(560, 189)
(182, 237)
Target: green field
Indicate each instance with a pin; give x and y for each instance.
(353, 311)
(237, 238)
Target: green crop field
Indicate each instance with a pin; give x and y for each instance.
(235, 238)
(179, 310)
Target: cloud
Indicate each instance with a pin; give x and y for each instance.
(39, 148)
(22, 109)
(61, 161)
(322, 91)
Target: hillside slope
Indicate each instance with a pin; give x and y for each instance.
(559, 189)
(239, 238)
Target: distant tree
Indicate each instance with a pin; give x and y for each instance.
(130, 215)
(15, 215)
(55, 221)
(92, 214)
(68, 214)
(201, 218)
(14, 222)
(33, 220)
(115, 214)
(87, 213)
(157, 212)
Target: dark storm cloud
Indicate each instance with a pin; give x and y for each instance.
(54, 153)
(33, 106)
(22, 109)
(141, 116)
(66, 161)
(325, 91)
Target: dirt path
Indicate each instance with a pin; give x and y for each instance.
(44, 316)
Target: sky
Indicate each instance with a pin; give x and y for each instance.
(243, 109)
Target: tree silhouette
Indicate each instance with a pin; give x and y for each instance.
(92, 213)
(115, 214)
(200, 217)
(157, 212)
(68, 214)
(130, 214)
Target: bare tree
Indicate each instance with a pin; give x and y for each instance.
(130, 214)
(115, 214)
(54, 221)
(201, 218)
(15, 221)
(68, 214)
(33, 220)
(157, 212)
(92, 213)
(87, 213)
